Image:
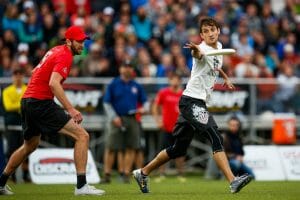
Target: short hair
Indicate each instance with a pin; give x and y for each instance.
(237, 119)
(208, 22)
(174, 75)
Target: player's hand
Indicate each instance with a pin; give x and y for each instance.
(117, 121)
(229, 84)
(196, 51)
(76, 115)
(191, 46)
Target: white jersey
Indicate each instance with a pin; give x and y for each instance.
(204, 74)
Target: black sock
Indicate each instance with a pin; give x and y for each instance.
(3, 179)
(143, 173)
(81, 180)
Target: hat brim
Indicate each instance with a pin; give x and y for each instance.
(78, 39)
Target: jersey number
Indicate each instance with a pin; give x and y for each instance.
(44, 59)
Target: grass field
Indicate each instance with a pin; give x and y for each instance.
(169, 189)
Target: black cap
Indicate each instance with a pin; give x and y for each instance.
(127, 63)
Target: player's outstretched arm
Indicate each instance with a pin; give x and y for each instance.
(227, 81)
(195, 50)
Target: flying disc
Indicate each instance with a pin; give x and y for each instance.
(220, 52)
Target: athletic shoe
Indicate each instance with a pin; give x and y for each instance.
(141, 179)
(88, 190)
(5, 190)
(239, 182)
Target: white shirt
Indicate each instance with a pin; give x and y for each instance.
(204, 74)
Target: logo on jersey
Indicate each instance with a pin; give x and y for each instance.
(200, 114)
(216, 63)
(134, 90)
(65, 70)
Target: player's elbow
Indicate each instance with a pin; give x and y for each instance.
(52, 85)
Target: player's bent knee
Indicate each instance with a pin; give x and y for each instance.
(83, 136)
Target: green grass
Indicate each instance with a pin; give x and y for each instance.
(169, 189)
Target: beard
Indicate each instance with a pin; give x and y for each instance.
(74, 50)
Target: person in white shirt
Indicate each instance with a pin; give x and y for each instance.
(194, 117)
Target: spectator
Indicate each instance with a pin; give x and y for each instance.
(145, 66)
(81, 18)
(246, 69)
(50, 27)
(166, 67)
(252, 17)
(12, 117)
(161, 31)
(95, 64)
(107, 20)
(269, 23)
(132, 45)
(31, 32)
(265, 91)
(180, 66)
(243, 47)
(123, 26)
(234, 148)
(5, 66)
(120, 102)
(10, 20)
(165, 112)
(142, 25)
(22, 56)
(287, 85)
(28, 9)
(272, 60)
(10, 41)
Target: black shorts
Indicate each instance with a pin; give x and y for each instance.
(194, 119)
(41, 117)
(194, 112)
(167, 139)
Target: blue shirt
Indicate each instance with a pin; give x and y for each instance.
(124, 96)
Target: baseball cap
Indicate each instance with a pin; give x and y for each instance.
(23, 47)
(28, 4)
(75, 33)
(108, 11)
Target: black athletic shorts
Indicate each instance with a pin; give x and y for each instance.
(194, 112)
(41, 117)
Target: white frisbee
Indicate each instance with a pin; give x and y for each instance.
(220, 52)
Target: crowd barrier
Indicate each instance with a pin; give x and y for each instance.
(86, 94)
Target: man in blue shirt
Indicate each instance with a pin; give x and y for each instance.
(120, 103)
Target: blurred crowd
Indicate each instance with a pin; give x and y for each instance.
(265, 34)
